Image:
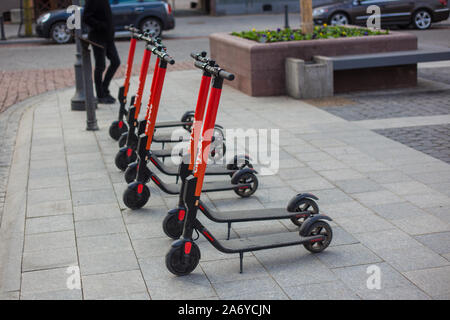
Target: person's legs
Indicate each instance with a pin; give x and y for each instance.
(113, 56)
(100, 65)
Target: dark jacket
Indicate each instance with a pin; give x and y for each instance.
(98, 17)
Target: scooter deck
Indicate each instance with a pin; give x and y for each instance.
(163, 153)
(214, 169)
(210, 186)
(248, 215)
(276, 240)
(168, 138)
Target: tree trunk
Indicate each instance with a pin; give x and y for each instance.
(306, 15)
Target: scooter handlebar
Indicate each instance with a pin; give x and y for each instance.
(163, 55)
(201, 56)
(216, 71)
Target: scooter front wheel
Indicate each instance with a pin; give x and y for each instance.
(131, 173)
(319, 228)
(136, 196)
(307, 207)
(173, 226)
(181, 263)
(117, 128)
(245, 192)
(124, 157)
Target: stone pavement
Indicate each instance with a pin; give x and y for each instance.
(63, 208)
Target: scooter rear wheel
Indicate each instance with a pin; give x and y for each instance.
(135, 198)
(124, 157)
(117, 128)
(309, 207)
(246, 192)
(172, 226)
(322, 228)
(180, 263)
(132, 141)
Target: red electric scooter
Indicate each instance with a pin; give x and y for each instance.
(244, 182)
(184, 255)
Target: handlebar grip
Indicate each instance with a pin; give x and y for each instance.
(199, 56)
(168, 59)
(226, 75)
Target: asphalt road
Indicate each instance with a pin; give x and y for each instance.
(190, 34)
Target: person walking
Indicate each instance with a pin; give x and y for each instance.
(98, 17)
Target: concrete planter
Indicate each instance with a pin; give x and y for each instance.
(260, 67)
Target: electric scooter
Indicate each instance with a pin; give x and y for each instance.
(315, 234)
(119, 126)
(239, 162)
(137, 193)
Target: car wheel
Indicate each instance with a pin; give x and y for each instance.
(339, 19)
(60, 33)
(152, 26)
(422, 20)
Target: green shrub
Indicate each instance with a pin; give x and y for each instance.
(320, 32)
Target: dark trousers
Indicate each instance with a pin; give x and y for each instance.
(100, 55)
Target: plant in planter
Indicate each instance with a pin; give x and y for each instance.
(319, 32)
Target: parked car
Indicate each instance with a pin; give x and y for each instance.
(149, 15)
(403, 13)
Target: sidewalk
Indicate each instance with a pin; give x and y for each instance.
(63, 207)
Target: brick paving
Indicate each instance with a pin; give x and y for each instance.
(376, 106)
(16, 86)
(432, 140)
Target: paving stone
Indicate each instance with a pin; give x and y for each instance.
(404, 188)
(67, 294)
(377, 197)
(438, 242)
(96, 211)
(358, 185)
(442, 213)
(49, 208)
(86, 228)
(81, 198)
(154, 247)
(49, 241)
(49, 194)
(106, 285)
(49, 259)
(366, 223)
(348, 255)
(131, 296)
(192, 286)
(249, 288)
(401, 210)
(428, 200)
(344, 209)
(228, 270)
(145, 231)
(434, 281)
(335, 290)
(13, 295)
(44, 280)
(49, 224)
(104, 243)
(357, 278)
(107, 262)
(406, 292)
(421, 225)
(329, 196)
(293, 266)
(315, 183)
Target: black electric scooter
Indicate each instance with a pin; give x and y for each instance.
(184, 255)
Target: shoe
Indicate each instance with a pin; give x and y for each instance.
(106, 100)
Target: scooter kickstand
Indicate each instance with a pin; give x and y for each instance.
(241, 258)
(229, 230)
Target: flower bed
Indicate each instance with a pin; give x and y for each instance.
(320, 32)
(260, 67)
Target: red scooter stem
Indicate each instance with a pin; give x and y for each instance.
(198, 118)
(207, 132)
(156, 98)
(131, 53)
(142, 78)
(152, 88)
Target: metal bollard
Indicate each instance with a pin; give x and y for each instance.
(78, 100)
(91, 118)
(286, 17)
(2, 28)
